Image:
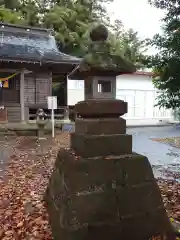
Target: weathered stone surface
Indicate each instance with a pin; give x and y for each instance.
(92, 198)
(149, 202)
(84, 173)
(101, 108)
(147, 226)
(100, 126)
(77, 196)
(136, 169)
(101, 145)
(3, 115)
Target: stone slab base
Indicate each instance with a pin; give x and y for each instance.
(100, 126)
(99, 198)
(101, 145)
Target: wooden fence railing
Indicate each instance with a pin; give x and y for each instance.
(63, 112)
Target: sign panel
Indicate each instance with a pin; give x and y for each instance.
(52, 102)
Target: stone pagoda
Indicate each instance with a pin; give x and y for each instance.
(100, 189)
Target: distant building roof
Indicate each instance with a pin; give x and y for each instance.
(29, 44)
(142, 73)
(146, 73)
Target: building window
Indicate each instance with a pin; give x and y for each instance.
(80, 84)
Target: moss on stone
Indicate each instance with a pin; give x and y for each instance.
(101, 56)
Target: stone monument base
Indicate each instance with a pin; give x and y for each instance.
(113, 197)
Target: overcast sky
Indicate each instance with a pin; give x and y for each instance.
(137, 14)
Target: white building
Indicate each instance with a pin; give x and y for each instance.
(137, 89)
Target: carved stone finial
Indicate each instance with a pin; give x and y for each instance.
(99, 33)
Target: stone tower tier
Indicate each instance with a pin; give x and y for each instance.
(101, 145)
(95, 126)
(100, 108)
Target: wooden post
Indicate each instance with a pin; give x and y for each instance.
(88, 88)
(22, 95)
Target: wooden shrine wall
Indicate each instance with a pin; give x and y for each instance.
(37, 88)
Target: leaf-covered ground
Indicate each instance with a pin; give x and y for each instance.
(22, 211)
(172, 141)
(174, 171)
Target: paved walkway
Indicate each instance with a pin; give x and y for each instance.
(159, 154)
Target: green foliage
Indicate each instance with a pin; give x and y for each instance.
(70, 25)
(128, 44)
(30, 12)
(10, 4)
(134, 48)
(101, 55)
(7, 15)
(71, 21)
(167, 62)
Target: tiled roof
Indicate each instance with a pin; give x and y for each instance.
(19, 43)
